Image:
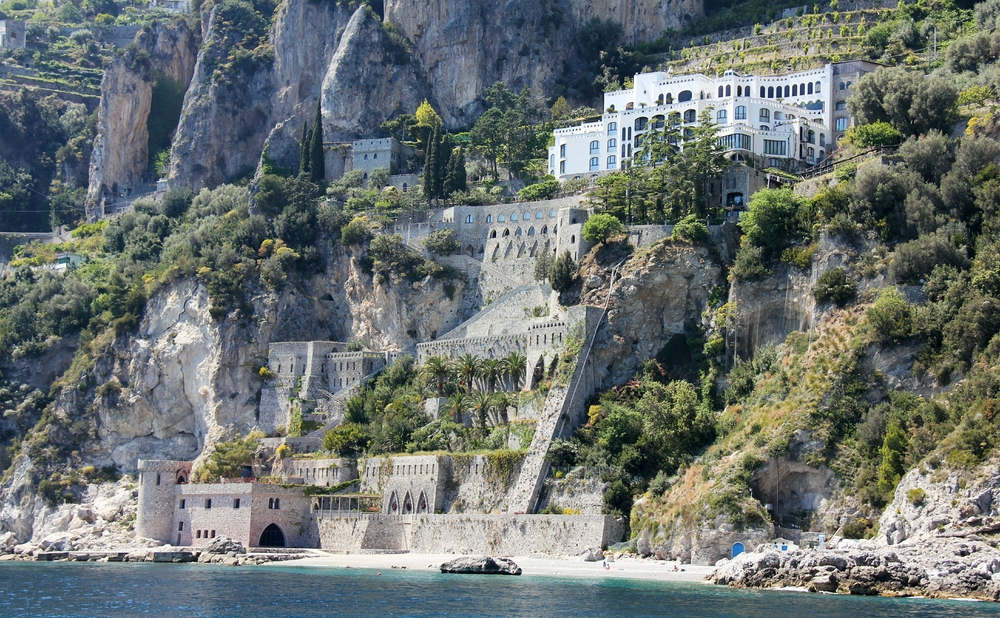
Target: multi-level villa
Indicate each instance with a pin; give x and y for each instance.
(787, 121)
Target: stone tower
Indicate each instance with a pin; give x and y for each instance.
(157, 482)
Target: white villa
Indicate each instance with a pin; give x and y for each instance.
(787, 121)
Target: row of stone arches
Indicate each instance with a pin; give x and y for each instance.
(520, 250)
(519, 232)
(407, 507)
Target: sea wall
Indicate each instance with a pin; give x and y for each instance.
(513, 535)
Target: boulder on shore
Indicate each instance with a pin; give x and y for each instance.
(594, 554)
(224, 545)
(481, 564)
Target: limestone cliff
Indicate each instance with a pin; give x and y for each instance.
(121, 154)
(644, 20)
(366, 55)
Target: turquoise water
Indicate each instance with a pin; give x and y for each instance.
(81, 589)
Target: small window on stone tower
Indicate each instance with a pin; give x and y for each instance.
(157, 478)
(236, 503)
(183, 503)
(180, 527)
(208, 503)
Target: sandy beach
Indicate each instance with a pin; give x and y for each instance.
(623, 567)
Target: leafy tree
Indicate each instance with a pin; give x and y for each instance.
(442, 242)
(890, 318)
(563, 272)
(437, 369)
(542, 265)
(929, 155)
(455, 178)
(834, 286)
(600, 227)
(507, 132)
(893, 451)
(907, 100)
(356, 232)
(378, 178)
(547, 189)
(229, 459)
(690, 229)
(347, 440)
(401, 126)
(878, 133)
(176, 202)
(772, 223)
(916, 259)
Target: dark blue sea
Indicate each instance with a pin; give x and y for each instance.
(82, 589)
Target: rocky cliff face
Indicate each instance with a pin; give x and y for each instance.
(449, 52)
(121, 152)
(393, 84)
(657, 297)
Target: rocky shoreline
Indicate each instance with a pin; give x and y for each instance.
(936, 568)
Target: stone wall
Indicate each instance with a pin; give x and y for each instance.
(647, 235)
(511, 535)
(325, 472)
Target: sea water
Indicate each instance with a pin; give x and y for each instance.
(82, 589)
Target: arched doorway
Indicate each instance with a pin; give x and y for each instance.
(393, 503)
(272, 536)
(469, 251)
(737, 549)
(407, 504)
(422, 503)
(538, 373)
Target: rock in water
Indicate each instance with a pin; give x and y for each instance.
(224, 545)
(481, 564)
(594, 554)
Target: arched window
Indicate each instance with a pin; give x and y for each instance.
(811, 137)
(739, 91)
(770, 92)
(809, 87)
(763, 92)
(552, 160)
(689, 115)
(765, 115)
(741, 112)
(720, 92)
(764, 127)
(552, 212)
(531, 231)
(595, 147)
(493, 234)
(506, 233)
(841, 124)
(538, 214)
(612, 128)
(594, 164)
(629, 106)
(612, 144)
(489, 218)
(545, 229)
(787, 92)
(658, 121)
(468, 218)
(802, 90)
(817, 89)
(840, 106)
(640, 123)
(500, 219)
(572, 239)
(843, 86)
(822, 139)
(729, 90)
(513, 216)
(659, 100)
(517, 232)
(795, 90)
(811, 153)
(685, 95)
(720, 116)
(526, 216)
(612, 162)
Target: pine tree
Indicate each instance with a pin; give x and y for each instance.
(316, 164)
(304, 149)
(454, 179)
(563, 272)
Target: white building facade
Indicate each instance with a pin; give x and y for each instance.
(783, 121)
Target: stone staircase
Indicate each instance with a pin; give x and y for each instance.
(523, 496)
(503, 315)
(334, 405)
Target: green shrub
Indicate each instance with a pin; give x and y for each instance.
(690, 229)
(563, 272)
(749, 264)
(875, 134)
(601, 227)
(800, 257)
(442, 242)
(891, 319)
(545, 190)
(834, 286)
(355, 232)
(860, 528)
(347, 440)
(916, 496)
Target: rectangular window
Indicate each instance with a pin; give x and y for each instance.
(198, 534)
(208, 503)
(735, 141)
(841, 124)
(213, 534)
(774, 147)
(562, 150)
(157, 478)
(183, 502)
(180, 527)
(236, 503)
(562, 167)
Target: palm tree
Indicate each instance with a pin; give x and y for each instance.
(457, 405)
(515, 364)
(467, 367)
(492, 369)
(481, 404)
(501, 401)
(437, 369)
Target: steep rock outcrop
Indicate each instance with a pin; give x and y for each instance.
(657, 297)
(224, 122)
(644, 20)
(367, 56)
(121, 152)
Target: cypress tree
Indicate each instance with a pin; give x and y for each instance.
(317, 167)
(431, 188)
(304, 149)
(461, 182)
